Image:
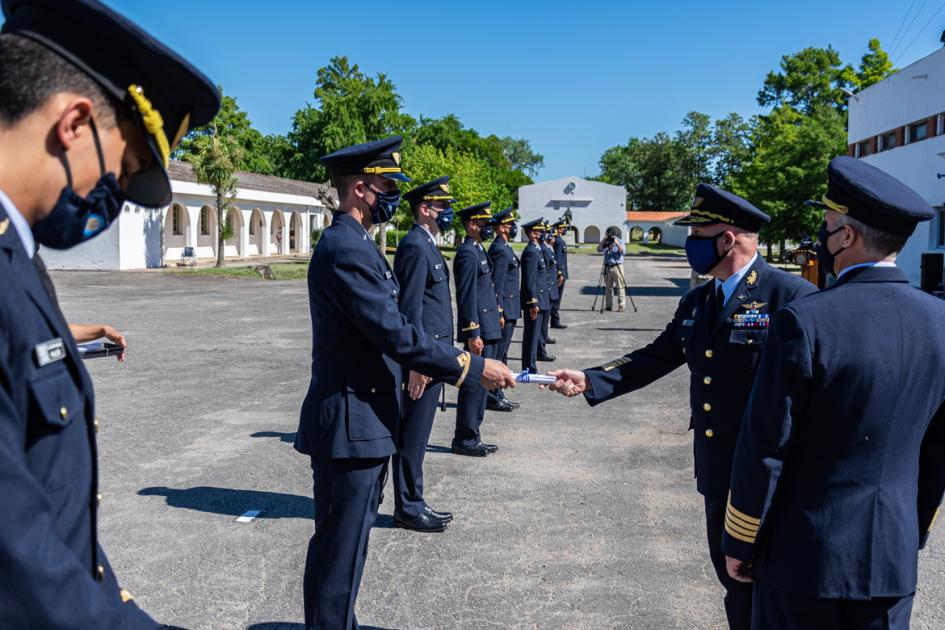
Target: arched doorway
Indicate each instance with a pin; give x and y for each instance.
(276, 234)
(207, 233)
(591, 234)
(295, 233)
(257, 232)
(234, 221)
(176, 232)
(636, 233)
(655, 235)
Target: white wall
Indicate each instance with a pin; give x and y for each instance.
(591, 203)
(896, 101)
(674, 235)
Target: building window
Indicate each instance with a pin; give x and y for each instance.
(918, 131)
(205, 221)
(887, 141)
(176, 221)
(863, 148)
(940, 232)
(940, 124)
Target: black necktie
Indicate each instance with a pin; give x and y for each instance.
(719, 302)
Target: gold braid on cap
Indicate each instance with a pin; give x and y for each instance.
(153, 122)
(833, 205)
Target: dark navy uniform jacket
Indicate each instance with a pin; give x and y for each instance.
(534, 279)
(353, 405)
(53, 573)
(476, 307)
(506, 277)
(722, 354)
(561, 255)
(424, 285)
(840, 465)
(551, 271)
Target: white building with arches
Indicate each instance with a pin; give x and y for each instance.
(594, 206)
(655, 226)
(270, 216)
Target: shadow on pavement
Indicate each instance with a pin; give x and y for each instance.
(235, 502)
(681, 286)
(288, 438)
(631, 329)
(285, 625)
(436, 448)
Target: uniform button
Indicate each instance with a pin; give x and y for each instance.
(707, 380)
(708, 354)
(101, 572)
(98, 499)
(709, 433)
(95, 424)
(749, 341)
(706, 407)
(373, 390)
(63, 412)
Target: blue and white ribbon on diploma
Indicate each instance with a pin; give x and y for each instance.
(540, 379)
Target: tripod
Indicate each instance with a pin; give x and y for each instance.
(601, 282)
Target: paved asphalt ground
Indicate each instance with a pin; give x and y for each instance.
(584, 519)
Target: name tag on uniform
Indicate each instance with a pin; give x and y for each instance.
(50, 351)
(387, 275)
(437, 265)
(688, 322)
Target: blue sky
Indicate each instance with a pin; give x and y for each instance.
(573, 78)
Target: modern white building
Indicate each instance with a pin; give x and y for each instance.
(271, 216)
(655, 226)
(898, 125)
(594, 206)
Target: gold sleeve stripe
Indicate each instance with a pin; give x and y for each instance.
(464, 360)
(734, 534)
(934, 516)
(533, 301)
(472, 326)
(742, 515)
(745, 525)
(734, 526)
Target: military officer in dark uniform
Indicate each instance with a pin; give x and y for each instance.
(561, 260)
(480, 323)
(553, 276)
(505, 277)
(719, 330)
(425, 302)
(350, 420)
(90, 108)
(534, 291)
(840, 465)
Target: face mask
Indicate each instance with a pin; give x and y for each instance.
(824, 255)
(513, 231)
(445, 219)
(76, 219)
(486, 232)
(385, 205)
(702, 253)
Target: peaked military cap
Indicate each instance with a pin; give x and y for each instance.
(867, 194)
(560, 223)
(534, 225)
(380, 157)
(713, 205)
(437, 190)
(476, 212)
(505, 216)
(167, 95)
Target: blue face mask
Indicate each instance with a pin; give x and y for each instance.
(702, 253)
(486, 231)
(445, 219)
(385, 205)
(76, 219)
(513, 231)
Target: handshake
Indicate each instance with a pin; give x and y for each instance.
(497, 375)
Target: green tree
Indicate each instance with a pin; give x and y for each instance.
(874, 66)
(731, 147)
(234, 123)
(808, 78)
(696, 149)
(215, 164)
(654, 171)
(521, 157)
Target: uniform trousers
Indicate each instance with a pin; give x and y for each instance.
(471, 403)
(774, 609)
(407, 463)
(556, 305)
(346, 500)
(531, 341)
(737, 594)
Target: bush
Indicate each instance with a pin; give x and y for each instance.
(393, 237)
(316, 234)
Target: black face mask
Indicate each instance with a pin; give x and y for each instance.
(824, 255)
(486, 231)
(76, 219)
(513, 231)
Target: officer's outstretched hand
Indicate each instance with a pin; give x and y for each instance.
(417, 384)
(738, 569)
(568, 382)
(496, 375)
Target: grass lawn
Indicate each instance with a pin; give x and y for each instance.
(280, 271)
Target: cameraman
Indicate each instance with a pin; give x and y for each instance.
(613, 250)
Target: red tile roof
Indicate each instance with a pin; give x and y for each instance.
(654, 215)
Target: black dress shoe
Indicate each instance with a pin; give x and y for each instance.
(494, 403)
(501, 396)
(445, 517)
(547, 357)
(470, 451)
(550, 341)
(490, 448)
(422, 523)
(559, 326)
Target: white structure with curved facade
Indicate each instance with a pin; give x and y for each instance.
(271, 216)
(656, 226)
(594, 206)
